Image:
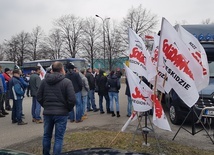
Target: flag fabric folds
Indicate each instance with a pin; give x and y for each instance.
(139, 58)
(176, 58)
(159, 117)
(140, 92)
(199, 55)
(43, 72)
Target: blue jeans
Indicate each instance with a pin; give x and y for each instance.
(91, 100)
(60, 123)
(101, 103)
(129, 106)
(17, 110)
(78, 108)
(36, 109)
(84, 103)
(114, 96)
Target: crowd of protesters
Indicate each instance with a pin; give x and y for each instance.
(62, 95)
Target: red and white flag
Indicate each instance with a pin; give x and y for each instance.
(162, 83)
(140, 92)
(139, 58)
(43, 72)
(176, 58)
(159, 117)
(199, 55)
(132, 118)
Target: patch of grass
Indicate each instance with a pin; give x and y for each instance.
(111, 139)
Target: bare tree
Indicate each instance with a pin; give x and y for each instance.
(115, 45)
(140, 20)
(23, 42)
(11, 49)
(35, 42)
(1, 52)
(90, 44)
(71, 30)
(53, 45)
(207, 21)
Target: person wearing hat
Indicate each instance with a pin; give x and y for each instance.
(77, 83)
(7, 76)
(16, 89)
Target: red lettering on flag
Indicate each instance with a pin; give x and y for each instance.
(178, 60)
(138, 94)
(155, 58)
(138, 55)
(158, 107)
(197, 56)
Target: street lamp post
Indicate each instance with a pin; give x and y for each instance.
(104, 44)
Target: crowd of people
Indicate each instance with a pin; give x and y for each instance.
(63, 95)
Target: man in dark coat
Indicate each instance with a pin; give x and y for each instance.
(56, 95)
(77, 83)
(91, 97)
(103, 92)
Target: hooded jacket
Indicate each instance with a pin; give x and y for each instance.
(56, 95)
(75, 79)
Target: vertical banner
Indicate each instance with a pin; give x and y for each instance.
(175, 56)
(140, 92)
(139, 58)
(199, 55)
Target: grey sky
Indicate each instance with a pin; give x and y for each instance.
(19, 15)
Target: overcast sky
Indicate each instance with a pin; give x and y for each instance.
(24, 15)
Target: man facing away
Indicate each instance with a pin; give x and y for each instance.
(56, 95)
(77, 84)
(16, 89)
(34, 83)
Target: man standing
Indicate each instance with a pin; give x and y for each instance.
(16, 89)
(91, 98)
(3, 90)
(34, 83)
(56, 95)
(7, 77)
(77, 84)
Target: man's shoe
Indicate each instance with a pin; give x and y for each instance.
(84, 117)
(102, 112)
(1, 115)
(5, 113)
(33, 120)
(22, 123)
(38, 121)
(8, 108)
(14, 121)
(95, 110)
(89, 110)
(78, 121)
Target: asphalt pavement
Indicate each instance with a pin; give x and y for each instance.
(11, 134)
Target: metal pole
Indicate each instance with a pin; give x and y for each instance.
(104, 42)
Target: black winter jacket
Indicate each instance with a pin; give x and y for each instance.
(56, 95)
(113, 83)
(101, 83)
(91, 80)
(76, 80)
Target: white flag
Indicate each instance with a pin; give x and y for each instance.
(176, 58)
(140, 92)
(162, 83)
(139, 58)
(159, 117)
(198, 53)
(43, 72)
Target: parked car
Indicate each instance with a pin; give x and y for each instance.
(178, 110)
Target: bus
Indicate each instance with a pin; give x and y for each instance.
(8, 64)
(27, 67)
